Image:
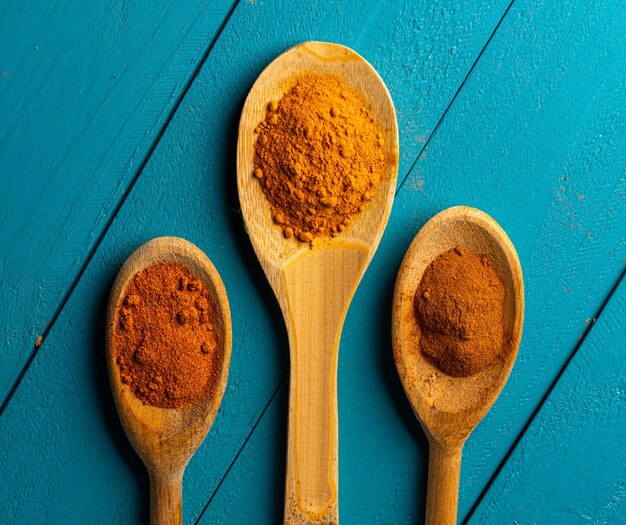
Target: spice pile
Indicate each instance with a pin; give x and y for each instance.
(319, 157)
(164, 340)
(459, 306)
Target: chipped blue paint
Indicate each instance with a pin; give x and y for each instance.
(85, 88)
(569, 467)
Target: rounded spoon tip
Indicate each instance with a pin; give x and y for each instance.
(272, 249)
(147, 426)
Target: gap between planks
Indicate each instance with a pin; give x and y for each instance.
(445, 111)
(243, 445)
(81, 270)
(140, 170)
(543, 400)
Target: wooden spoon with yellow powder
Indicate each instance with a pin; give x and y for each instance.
(317, 162)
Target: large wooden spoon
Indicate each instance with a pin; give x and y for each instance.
(449, 408)
(314, 286)
(166, 438)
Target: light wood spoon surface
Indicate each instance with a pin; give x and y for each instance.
(449, 408)
(166, 438)
(314, 286)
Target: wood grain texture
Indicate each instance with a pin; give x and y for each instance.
(166, 438)
(444, 472)
(166, 500)
(314, 282)
(449, 408)
(188, 188)
(569, 467)
(85, 89)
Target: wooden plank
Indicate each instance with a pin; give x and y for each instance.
(61, 419)
(569, 467)
(109, 111)
(256, 477)
(85, 89)
(558, 190)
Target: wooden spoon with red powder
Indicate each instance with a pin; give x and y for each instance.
(168, 340)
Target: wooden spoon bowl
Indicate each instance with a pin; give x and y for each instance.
(314, 286)
(449, 408)
(166, 438)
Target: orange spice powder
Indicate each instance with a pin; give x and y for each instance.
(319, 157)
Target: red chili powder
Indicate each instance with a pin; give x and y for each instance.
(165, 340)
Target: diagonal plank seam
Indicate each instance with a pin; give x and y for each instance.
(146, 159)
(243, 445)
(117, 207)
(456, 93)
(282, 379)
(545, 397)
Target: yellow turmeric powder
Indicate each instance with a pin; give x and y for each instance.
(319, 157)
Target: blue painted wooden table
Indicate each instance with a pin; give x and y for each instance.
(118, 124)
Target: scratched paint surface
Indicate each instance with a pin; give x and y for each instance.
(579, 434)
(499, 108)
(84, 91)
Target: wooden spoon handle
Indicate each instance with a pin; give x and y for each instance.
(166, 501)
(319, 288)
(444, 470)
(311, 487)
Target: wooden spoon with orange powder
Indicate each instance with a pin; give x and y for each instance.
(317, 161)
(458, 312)
(168, 342)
